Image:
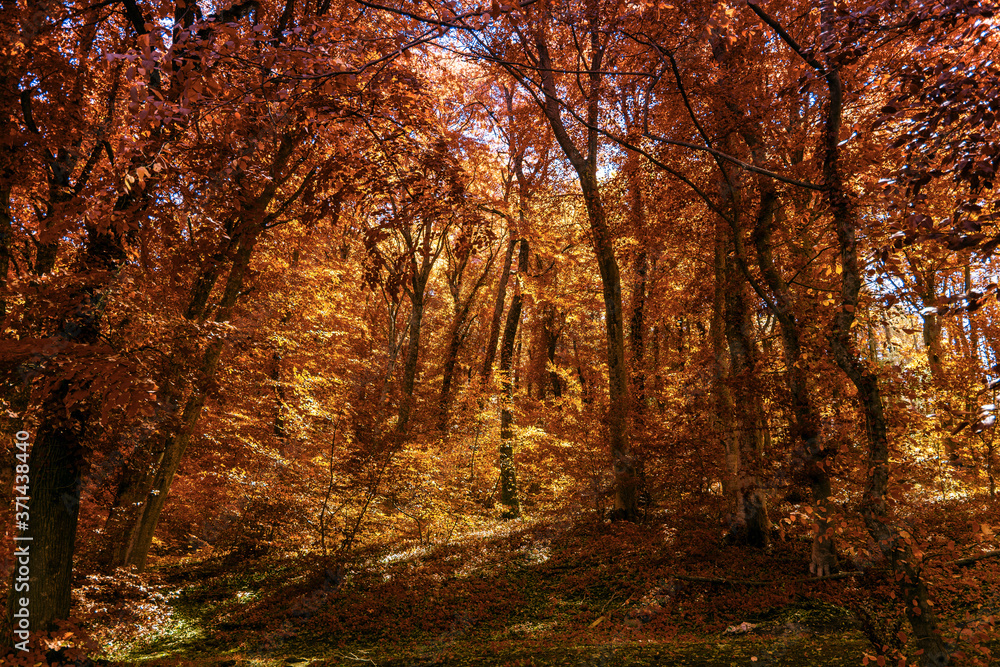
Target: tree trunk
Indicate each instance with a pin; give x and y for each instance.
(133, 521)
(279, 396)
(494, 337)
(625, 506)
(636, 339)
(550, 335)
(43, 569)
(973, 331)
(584, 391)
(813, 454)
(175, 444)
(456, 335)
(724, 406)
(419, 284)
(57, 459)
(931, 326)
(448, 372)
(874, 511)
(508, 473)
(139, 474)
(6, 232)
(636, 322)
(752, 525)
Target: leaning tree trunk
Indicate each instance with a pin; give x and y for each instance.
(133, 528)
(139, 473)
(812, 458)
(874, 510)
(457, 335)
(175, 444)
(619, 440)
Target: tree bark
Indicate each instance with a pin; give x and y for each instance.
(637, 321)
(874, 510)
(279, 396)
(45, 548)
(508, 473)
(138, 475)
(619, 440)
(813, 454)
(494, 337)
(724, 406)
(143, 492)
(456, 334)
(175, 444)
(550, 339)
(927, 288)
(56, 463)
(417, 288)
(752, 525)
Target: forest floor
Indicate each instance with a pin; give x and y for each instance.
(520, 593)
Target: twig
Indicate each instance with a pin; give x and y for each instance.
(965, 562)
(750, 582)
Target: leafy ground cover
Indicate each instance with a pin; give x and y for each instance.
(522, 593)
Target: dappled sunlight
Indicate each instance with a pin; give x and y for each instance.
(513, 333)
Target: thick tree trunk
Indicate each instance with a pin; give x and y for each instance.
(752, 525)
(43, 569)
(724, 406)
(57, 460)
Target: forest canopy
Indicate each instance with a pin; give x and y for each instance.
(331, 282)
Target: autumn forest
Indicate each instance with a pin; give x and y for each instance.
(418, 332)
